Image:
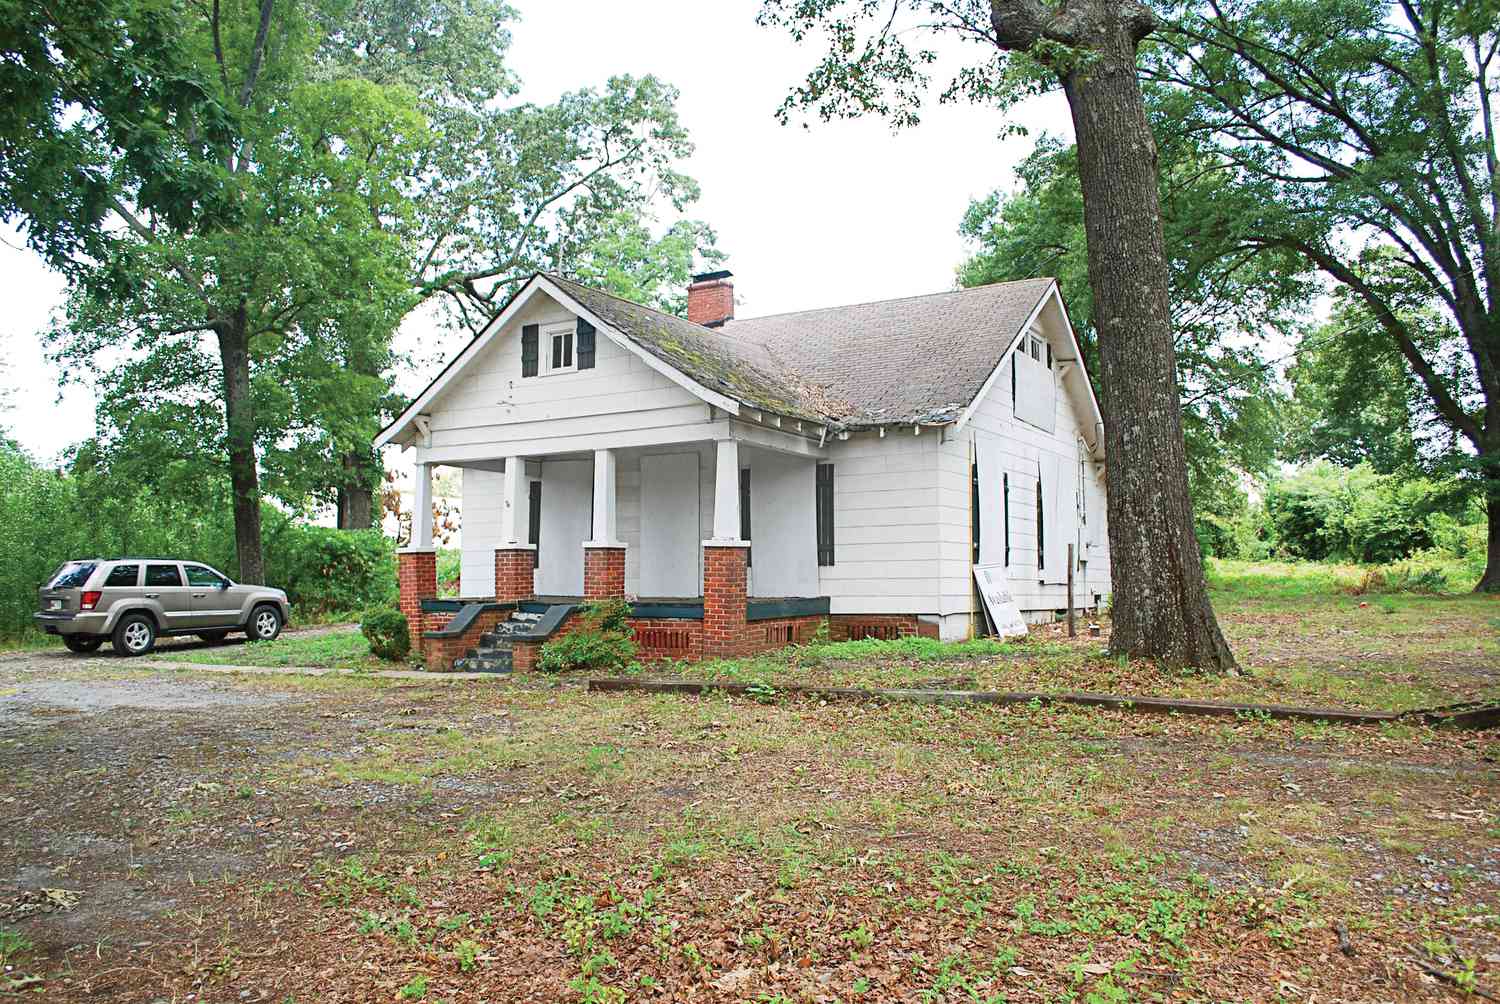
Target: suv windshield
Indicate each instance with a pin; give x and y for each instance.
(72, 575)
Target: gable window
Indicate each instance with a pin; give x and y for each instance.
(824, 507)
(560, 351)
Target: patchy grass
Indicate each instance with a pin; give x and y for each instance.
(346, 649)
(1301, 635)
(531, 841)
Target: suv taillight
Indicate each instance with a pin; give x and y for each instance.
(90, 599)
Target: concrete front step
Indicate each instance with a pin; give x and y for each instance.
(485, 660)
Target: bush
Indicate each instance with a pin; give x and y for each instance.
(1328, 513)
(388, 633)
(601, 641)
(1403, 578)
(328, 571)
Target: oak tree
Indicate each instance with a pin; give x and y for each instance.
(1365, 133)
(1161, 607)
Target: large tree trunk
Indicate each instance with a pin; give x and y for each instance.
(356, 501)
(1490, 581)
(1160, 606)
(244, 478)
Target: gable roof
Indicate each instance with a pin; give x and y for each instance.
(919, 360)
(916, 360)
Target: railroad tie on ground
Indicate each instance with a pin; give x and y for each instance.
(1474, 715)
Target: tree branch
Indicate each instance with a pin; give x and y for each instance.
(257, 53)
(1446, 405)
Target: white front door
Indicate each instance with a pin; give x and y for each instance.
(671, 527)
(567, 516)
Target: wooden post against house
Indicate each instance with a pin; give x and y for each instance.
(1072, 628)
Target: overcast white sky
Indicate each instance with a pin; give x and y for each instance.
(836, 213)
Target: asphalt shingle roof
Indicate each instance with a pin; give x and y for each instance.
(920, 359)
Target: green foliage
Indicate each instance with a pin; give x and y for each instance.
(328, 570)
(1357, 135)
(254, 206)
(601, 641)
(49, 516)
(1353, 399)
(1323, 513)
(388, 633)
(449, 569)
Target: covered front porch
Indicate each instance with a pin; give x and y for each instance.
(669, 524)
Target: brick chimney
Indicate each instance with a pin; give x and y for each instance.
(711, 298)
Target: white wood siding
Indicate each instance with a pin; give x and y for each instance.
(491, 405)
(479, 531)
(887, 511)
(1025, 449)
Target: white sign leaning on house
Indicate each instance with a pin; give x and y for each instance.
(1005, 614)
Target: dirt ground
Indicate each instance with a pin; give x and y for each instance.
(180, 837)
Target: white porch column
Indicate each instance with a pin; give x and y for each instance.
(421, 507)
(515, 508)
(604, 532)
(726, 490)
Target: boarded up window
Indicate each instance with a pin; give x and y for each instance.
(974, 521)
(1035, 391)
(534, 522)
(825, 514)
(1005, 493)
(745, 514)
(1041, 525)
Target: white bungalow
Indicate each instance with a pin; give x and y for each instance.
(872, 455)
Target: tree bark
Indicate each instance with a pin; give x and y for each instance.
(1489, 582)
(1161, 608)
(356, 503)
(239, 420)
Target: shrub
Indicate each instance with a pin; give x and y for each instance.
(324, 570)
(601, 641)
(388, 633)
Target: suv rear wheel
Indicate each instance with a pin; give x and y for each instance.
(134, 635)
(265, 623)
(82, 642)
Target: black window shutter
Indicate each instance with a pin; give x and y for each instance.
(825, 514)
(1005, 493)
(1049, 355)
(974, 508)
(1012, 382)
(534, 522)
(585, 345)
(529, 335)
(1041, 530)
(745, 511)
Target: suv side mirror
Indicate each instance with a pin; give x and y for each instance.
(223, 583)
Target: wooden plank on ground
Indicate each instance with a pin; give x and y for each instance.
(1135, 703)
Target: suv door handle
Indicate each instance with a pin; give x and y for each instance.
(199, 596)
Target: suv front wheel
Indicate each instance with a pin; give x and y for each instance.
(265, 623)
(134, 635)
